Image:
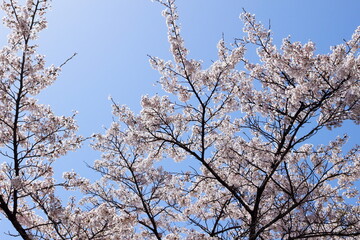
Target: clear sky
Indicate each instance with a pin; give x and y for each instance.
(113, 37)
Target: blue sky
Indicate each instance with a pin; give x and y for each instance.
(113, 37)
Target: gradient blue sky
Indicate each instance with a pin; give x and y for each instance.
(113, 37)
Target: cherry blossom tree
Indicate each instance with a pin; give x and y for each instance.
(246, 127)
(32, 137)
